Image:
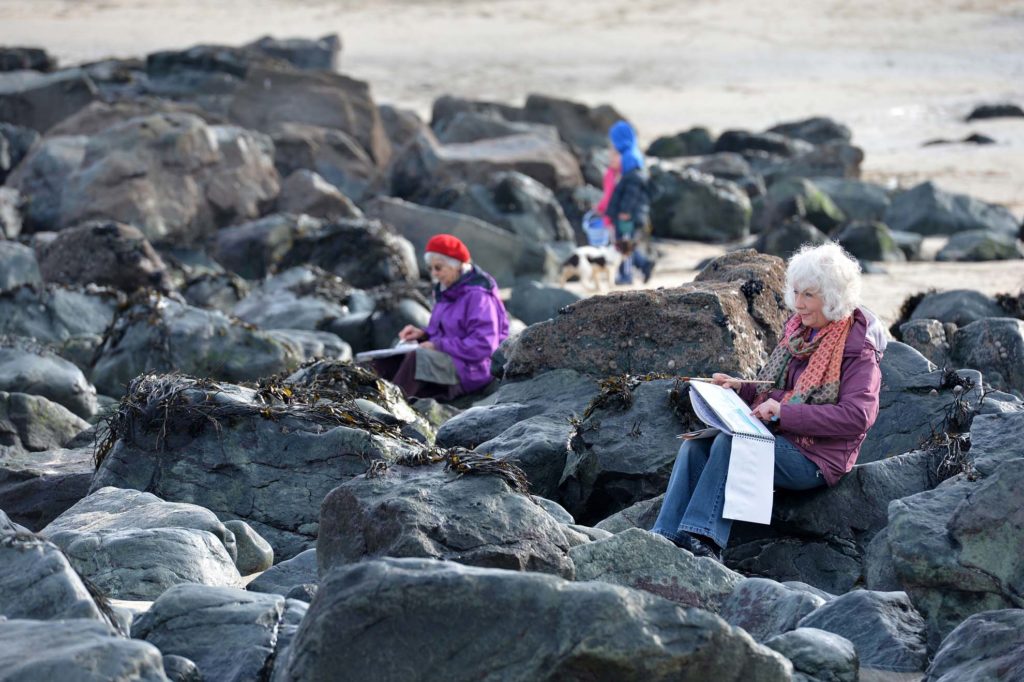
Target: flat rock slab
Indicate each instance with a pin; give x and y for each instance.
(37, 487)
(986, 646)
(818, 655)
(765, 608)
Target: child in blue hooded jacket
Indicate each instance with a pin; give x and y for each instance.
(630, 204)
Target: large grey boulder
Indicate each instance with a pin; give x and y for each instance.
(582, 127)
(163, 334)
(304, 192)
(927, 210)
(929, 338)
(871, 241)
(696, 141)
(835, 159)
(797, 197)
(172, 176)
(726, 320)
(133, 545)
(886, 630)
(981, 245)
(38, 101)
(959, 306)
(563, 630)
(817, 655)
(471, 126)
(230, 634)
(538, 445)
(642, 514)
(746, 142)
(100, 115)
(766, 609)
(995, 347)
(331, 153)
(15, 143)
(255, 248)
(254, 553)
(283, 577)
(42, 177)
(505, 255)
(18, 266)
(217, 291)
(858, 200)
(645, 561)
(36, 371)
(32, 423)
(316, 54)
(688, 204)
(37, 487)
(38, 582)
(271, 96)
(427, 512)
(816, 130)
(213, 445)
(986, 646)
(76, 651)
(786, 238)
(297, 298)
(734, 168)
(533, 301)
(119, 256)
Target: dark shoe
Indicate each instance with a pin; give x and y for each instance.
(647, 269)
(705, 548)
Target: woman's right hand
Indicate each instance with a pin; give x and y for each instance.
(726, 381)
(411, 333)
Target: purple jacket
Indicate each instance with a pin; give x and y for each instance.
(838, 429)
(468, 322)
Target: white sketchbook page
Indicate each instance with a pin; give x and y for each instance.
(400, 349)
(730, 409)
(749, 484)
(706, 414)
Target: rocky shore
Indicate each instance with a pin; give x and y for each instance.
(196, 483)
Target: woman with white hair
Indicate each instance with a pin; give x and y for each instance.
(820, 398)
(466, 325)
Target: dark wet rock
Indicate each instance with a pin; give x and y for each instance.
(162, 334)
(42, 176)
(447, 107)
(512, 201)
(181, 669)
(927, 210)
(217, 291)
(99, 116)
(645, 561)
(627, 634)
(506, 256)
(271, 96)
(172, 176)
(986, 646)
(642, 515)
(471, 126)
(7, 526)
(973, 138)
(401, 125)
(297, 298)
(557, 394)
(797, 197)
(333, 154)
(306, 193)
(981, 245)
(254, 553)
(394, 314)
(886, 630)
(26, 58)
(38, 101)
(995, 347)
(18, 266)
(909, 243)
(539, 445)
(870, 241)
(688, 204)
(15, 143)
(119, 257)
(533, 301)
(76, 651)
(580, 126)
(696, 141)
(229, 634)
(693, 329)
(38, 582)
(427, 512)
(785, 239)
(365, 253)
(253, 249)
(37, 487)
(816, 130)
(426, 165)
(765, 608)
(1001, 110)
(133, 545)
(818, 655)
(959, 306)
(319, 54)
(239, 464)
(929, 338)
(831, 159)
(32, 423)
(281, 578)
(858, 200)
(26, 368)
(734, 168)
(743, 141)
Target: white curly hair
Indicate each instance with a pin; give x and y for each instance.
(827, 270)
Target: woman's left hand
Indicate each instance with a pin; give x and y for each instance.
(427, 344)
(768, 409)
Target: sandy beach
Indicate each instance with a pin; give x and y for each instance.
(899, 74)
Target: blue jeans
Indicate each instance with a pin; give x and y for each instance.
(696, 491)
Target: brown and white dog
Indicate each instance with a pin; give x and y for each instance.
(592, 264)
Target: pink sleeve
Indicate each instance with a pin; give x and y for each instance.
(854, 412)
(610, 176)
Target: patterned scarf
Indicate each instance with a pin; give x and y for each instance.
(819, 383)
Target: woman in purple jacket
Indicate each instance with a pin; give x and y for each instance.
(467, 324)
(820, 400)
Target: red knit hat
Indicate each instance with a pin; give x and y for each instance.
(448, 245)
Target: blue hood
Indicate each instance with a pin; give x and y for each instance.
(623, 138)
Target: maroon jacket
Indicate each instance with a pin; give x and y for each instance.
(838, 429)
